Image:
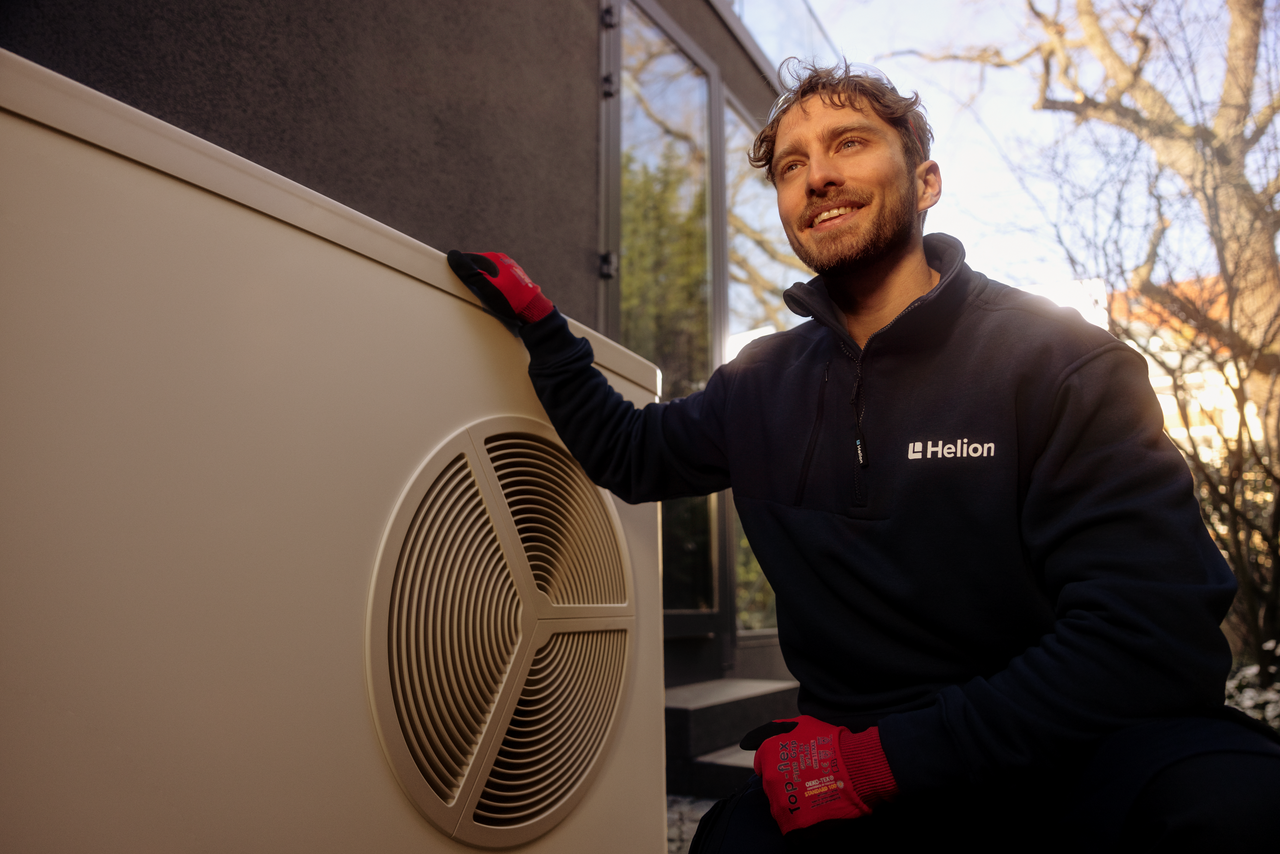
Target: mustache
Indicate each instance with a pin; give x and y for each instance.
(853, 199)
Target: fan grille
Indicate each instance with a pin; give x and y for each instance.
(558, 726)
(454, 627)
(566, 533)
(502, 598)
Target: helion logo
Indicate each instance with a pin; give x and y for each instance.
(962, 448)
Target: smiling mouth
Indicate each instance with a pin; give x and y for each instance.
(831, 214)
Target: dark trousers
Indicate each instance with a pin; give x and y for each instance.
(1188, 785)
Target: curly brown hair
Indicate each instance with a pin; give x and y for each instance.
(846, 85)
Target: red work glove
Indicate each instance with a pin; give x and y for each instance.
(814, 771)
(502, 286)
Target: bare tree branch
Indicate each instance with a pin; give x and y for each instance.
(767, 294)
(1191, 315)
(1268, 195)
(1127, 77)
(1262, 121)
(992, 57)
(1243, 38)
(1141, 278)
(1087, 109)
(637, 93)
(767, 246)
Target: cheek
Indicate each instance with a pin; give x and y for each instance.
(789, 207)
(782, 213)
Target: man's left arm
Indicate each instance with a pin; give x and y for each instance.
(1111, 524)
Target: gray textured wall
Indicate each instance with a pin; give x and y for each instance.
(463, 123)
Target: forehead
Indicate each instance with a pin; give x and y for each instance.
(813, 117)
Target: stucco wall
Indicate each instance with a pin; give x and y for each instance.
(463, 123)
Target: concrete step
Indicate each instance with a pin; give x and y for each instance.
(705, 722)
(719, 773)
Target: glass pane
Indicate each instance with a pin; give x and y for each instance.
(786, 28)
(755, 604)
(761, 267)
(688, 580)
(761, 263)
(665, 277)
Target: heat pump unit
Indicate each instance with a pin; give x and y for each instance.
(290, 558)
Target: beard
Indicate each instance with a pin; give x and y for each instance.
(849, 250)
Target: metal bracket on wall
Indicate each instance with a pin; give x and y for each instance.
(609, 265)
(608, 312)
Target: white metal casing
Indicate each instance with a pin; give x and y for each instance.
(214, 387)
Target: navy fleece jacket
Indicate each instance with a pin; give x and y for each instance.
(979, 537)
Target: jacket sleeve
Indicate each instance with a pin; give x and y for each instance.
(665, 450)
(1111, 526)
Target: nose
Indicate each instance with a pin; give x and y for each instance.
(822, 176)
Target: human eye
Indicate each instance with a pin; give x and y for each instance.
(788, 167)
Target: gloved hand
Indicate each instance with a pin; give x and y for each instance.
(502, 286)
(814, 771)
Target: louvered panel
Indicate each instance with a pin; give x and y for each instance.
(566, 533)
(558, 728)
(454, 628)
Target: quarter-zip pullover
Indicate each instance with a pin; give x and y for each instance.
(978, 535)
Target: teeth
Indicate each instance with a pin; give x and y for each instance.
(834, 212)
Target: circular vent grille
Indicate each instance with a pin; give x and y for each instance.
(499, 627)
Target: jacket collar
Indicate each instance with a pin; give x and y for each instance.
(944, 254)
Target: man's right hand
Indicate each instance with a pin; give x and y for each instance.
(502, 286)
(813, 771)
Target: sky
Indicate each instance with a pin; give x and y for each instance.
(1006, 235)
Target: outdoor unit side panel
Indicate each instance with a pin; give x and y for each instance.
(208, 417)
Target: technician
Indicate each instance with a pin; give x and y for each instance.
(993, 581)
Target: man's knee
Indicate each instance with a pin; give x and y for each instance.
(740, 823)
(1212, 801)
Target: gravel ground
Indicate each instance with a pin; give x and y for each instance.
(683, 814)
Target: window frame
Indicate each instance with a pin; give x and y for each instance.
(721, 620)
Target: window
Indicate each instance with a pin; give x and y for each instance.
(786, 28)
(701, 265)
(761, 264)
(665, 282)
(761, 267)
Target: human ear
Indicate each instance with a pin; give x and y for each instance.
(928, 185)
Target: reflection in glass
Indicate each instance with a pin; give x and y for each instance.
(688, 582)
(761, 263)
(755, 605)
(665, 276)
(786, 28)
(761, 267)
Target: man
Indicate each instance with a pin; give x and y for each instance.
(992, 579)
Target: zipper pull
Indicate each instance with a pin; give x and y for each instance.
(861, 445)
